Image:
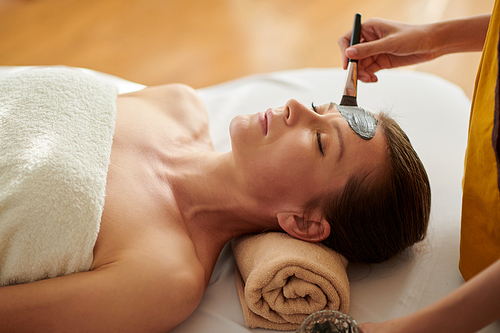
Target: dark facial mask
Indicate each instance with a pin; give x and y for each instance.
(361, 121)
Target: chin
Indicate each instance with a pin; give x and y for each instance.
(245, 138)
(239, 128)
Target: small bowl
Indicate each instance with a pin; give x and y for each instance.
(328, 321)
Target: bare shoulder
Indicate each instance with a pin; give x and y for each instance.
(177, 99)
(176, 106)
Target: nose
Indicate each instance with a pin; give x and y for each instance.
(294, 111)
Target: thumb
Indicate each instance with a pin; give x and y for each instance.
(367, 49)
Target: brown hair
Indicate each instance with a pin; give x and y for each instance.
(372, 220)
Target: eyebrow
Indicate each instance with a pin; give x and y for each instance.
(341, 140)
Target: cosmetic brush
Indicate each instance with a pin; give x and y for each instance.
(361, 121)
(351, 84)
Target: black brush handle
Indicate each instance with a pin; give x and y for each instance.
(356, 32)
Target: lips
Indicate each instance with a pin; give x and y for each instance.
(269, 116)
(263, 122)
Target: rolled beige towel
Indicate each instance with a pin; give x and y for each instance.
(281, 280)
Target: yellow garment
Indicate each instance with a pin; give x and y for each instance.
(480, 233)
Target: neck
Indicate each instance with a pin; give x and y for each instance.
(212, 200)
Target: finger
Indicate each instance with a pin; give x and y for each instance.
(372, 65)
(364, 77)
(344, 43)
(352, 52)
(373, 68)
(369, 49)
(345, 60)
(367, 77)
(365, 327)
(366, 70)
(345, 40)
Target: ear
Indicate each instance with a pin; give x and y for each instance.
(311, 230)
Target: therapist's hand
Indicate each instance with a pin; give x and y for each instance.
(377, 328)
(367, 328)
(398, 325)
(387, 44)
(371, 328)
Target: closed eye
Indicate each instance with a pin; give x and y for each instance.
(320, 143)
(318, 134)
(314, 107)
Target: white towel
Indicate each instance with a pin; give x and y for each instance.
(56, 131)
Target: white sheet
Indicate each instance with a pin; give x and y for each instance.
(433, 112)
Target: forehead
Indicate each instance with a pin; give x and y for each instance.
(361, 121)
(362, 156)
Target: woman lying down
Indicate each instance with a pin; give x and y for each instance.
(113, 210)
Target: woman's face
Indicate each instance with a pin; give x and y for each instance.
(290, 154)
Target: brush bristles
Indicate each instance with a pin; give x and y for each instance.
(348, 101)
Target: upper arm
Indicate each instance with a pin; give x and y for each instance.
(114, 298)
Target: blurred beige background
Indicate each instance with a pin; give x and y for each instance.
(204, 42)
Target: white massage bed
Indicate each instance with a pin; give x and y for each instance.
(432, 111)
